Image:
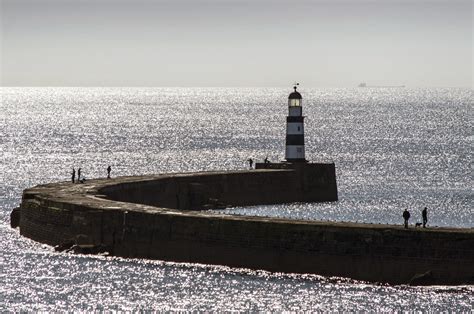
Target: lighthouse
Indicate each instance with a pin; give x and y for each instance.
(295, 128)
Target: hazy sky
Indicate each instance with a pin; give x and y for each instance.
(236, 43)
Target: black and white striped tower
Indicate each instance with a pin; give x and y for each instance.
(295, 128)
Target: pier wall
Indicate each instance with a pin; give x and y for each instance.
(142, 217)
(272, 184)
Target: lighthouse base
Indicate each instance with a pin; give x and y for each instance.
(315, 182)
(292, 160)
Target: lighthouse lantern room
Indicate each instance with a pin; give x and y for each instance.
(295, 128)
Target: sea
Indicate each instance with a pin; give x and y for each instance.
(394, 148)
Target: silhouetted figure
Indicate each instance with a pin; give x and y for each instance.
(73, 175)
(250, 162)
(108, 172)
(424, 214)
(79, 174)
(265, 161)
(406, 216)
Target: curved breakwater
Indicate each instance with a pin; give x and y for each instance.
(162, 217)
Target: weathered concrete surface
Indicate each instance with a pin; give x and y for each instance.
(108, 214)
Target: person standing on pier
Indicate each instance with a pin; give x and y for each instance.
(108, 171)
(79, 174)
(73, 175)
(250, 162)
(406, 216)
(424, 215)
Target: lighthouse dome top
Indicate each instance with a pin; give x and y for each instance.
(295, 95)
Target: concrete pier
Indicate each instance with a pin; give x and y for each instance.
(162, 217)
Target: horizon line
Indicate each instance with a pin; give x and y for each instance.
(277, 86)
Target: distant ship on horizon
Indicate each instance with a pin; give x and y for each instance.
(363, 84)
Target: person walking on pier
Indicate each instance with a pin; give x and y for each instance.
(250, 162)
(79, 174)
(73, 175)
(424, 215)
(108, 171)
(406, 216)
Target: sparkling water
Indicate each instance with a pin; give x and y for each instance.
(394, 148)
